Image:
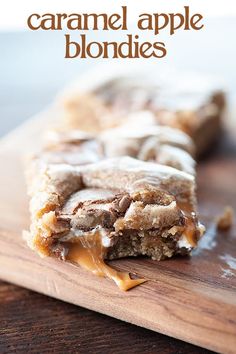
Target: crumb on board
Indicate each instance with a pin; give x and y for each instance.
(225, 220)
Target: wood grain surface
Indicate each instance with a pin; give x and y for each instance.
(192, 299)
(34, 323)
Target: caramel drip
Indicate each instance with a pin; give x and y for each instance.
(191, 231)
(89, 253)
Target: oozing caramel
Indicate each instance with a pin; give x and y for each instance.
(89, 253)
(190, 232)
(190, 229)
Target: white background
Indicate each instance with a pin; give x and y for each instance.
(13, 13)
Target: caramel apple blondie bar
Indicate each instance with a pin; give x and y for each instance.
(111, 209)
(193, 107)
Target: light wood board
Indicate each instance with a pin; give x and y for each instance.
(193, 299)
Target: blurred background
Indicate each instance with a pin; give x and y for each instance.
(33, 69)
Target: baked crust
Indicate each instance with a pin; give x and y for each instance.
(161, 144)
(164, 145)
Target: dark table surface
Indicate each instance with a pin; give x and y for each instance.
(30, 321)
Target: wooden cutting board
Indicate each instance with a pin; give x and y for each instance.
(193, 299)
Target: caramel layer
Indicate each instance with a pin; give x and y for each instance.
(89, 253)
(190, 230)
